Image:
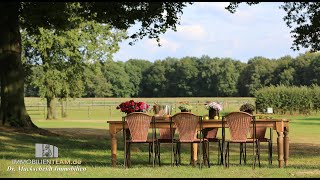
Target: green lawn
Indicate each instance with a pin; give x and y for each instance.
(105, 108)
(89, 141)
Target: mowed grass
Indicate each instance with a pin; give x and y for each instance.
(89, 141)
(105, 108)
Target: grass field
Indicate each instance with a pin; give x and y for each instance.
(105, 108)
(88, 140)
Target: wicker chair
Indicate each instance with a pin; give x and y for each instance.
(186, 124)
(260, 135)
(164, 138)
(211, 136)
(239, 125)
(138, 124)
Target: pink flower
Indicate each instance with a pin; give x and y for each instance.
(131, 106)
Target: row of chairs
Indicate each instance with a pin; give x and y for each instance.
(186, 125)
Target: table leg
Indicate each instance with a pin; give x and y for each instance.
(195, 152)
(113, 133)
(280, 148)
(191, 154)
(286, 146)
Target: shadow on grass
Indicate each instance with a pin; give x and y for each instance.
(93, 148)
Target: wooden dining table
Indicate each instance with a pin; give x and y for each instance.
(281, 126)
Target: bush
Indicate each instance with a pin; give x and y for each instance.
(285, 99)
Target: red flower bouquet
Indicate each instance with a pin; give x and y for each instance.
(131, 106)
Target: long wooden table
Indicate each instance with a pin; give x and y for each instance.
(281, 126)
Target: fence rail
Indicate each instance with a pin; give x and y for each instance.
(105, 108)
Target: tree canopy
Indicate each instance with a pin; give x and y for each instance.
(154, 19)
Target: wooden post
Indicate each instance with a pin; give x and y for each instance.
(113, 132)
(88, 112)
(286, 147)
(44, 112)
(197, 106)
(110, 112)
(280, 148)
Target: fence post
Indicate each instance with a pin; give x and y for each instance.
(44, 112)
(110, 111)
(175, 107)
(197, 105)
(88, 112)
(61, 108)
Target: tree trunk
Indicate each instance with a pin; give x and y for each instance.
(13, 110)
(63, 109)
(51, 108)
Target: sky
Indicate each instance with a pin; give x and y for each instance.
(208, 29)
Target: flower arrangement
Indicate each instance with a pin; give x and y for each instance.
(161, 110)
(131, 106)
(185, 106)
(213, 105)
(247, 107)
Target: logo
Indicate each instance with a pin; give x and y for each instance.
(46, 150)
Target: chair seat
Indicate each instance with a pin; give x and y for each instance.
(262, 139)
(241, 141)
(213, 139)
(193, 141)
(138, 141)
(165, 140)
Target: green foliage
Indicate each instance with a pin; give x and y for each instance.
(181, 77)
(191, 76)
(285, 99)
(208, 76)
(155, 81)
(257, 74)
(228, 78)
(315, 93)
(115, 73)
(135, 69)
(96, 85)
(63, 56)
(185, 106)
(247, 107)
(120, 15)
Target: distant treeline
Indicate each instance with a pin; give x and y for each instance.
(191, 76)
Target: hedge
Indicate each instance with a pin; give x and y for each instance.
(288, 99)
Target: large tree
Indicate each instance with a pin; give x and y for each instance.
(154, 17)
(96, 85)
(63, 55)
(257, 74)
(135, 68)
(228, 78)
